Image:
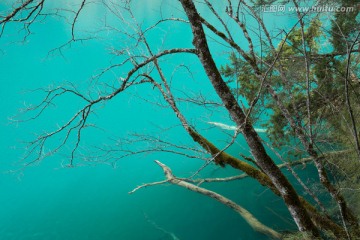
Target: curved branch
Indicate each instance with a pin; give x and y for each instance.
(248, 217)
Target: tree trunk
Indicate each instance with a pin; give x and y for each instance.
(286, 190)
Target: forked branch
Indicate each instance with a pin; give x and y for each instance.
(248, 217)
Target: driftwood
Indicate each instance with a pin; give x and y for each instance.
(248, 217)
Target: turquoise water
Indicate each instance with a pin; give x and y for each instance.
(46, 201)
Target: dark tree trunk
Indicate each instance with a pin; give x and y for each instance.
(286, 190)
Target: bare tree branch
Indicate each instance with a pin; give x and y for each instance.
(248, 217)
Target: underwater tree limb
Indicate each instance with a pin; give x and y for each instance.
(287, 192)
(302, 161)
(147, 185)
(248, 217)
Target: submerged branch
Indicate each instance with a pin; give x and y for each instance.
(302, 161)
(248, 217)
